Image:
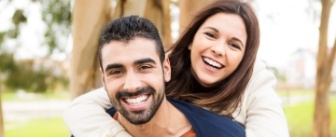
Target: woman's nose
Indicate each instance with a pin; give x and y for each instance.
(218, 49)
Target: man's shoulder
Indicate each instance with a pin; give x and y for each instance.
(207, 123)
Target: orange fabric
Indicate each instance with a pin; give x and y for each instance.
(190, 133)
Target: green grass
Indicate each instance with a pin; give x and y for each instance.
(300, 118)
(13, 96)
(6, 96)
(46, 127)
(39, 127)
(284, 93)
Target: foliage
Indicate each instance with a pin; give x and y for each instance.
(22, 75)
(2, 37)
(7, 62)
(25, 74)
(18, 17)
(57, 16)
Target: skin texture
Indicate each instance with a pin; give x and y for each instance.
(134, 79)
(218, 48)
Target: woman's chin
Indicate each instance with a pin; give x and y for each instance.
(207, 82)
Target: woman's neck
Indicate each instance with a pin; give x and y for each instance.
(197, 87)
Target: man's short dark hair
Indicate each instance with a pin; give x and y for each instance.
(127, 28)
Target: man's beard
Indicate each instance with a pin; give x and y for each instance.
(142, 116)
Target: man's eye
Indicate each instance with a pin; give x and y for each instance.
(115, 72)
(145, 67)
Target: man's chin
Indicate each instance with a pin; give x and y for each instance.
(139, 117)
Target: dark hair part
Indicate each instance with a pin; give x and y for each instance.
(226, 95)
(126, 29)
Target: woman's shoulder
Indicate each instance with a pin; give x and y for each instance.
(259, 92)
(260, 66)
(261, 85)
(261, 74)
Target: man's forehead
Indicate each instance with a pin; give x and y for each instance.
(137, 49)
(138, 43)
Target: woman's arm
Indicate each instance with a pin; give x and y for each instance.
(262, 112)
(86, 116)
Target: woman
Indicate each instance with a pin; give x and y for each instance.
(213, 67)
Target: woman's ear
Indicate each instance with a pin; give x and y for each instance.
(166, 69)
(189, 47)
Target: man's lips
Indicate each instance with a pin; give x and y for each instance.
(136, 103)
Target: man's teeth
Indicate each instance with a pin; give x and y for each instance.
(137, 100)
(212, 63)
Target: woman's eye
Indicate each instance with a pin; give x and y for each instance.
(235, 45)
(210, 35)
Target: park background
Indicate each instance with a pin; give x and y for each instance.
(47, 56)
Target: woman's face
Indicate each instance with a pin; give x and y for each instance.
(218, 48)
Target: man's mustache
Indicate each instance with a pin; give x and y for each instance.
(127, 93)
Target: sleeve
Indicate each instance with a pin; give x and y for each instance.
(86, 116)
(264, 113)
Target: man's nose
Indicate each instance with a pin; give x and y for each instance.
(132, 82)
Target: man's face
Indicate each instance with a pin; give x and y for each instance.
(134, 77)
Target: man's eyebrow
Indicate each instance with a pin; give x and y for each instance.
(112, 66)
(145, 60)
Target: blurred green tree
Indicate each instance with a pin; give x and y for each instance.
(28, 75)
(57, 16)
(22, 75)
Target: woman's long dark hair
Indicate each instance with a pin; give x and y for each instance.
(228, 93)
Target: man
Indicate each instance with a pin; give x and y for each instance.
(134, 71)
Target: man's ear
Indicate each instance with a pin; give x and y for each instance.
(102, 75)
(166, 69)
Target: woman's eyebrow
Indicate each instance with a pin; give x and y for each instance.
(237, 39)
(212, 28)
(234, 38)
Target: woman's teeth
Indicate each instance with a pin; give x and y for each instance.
(212, 63)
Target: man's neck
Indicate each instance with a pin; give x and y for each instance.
(167, 121)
